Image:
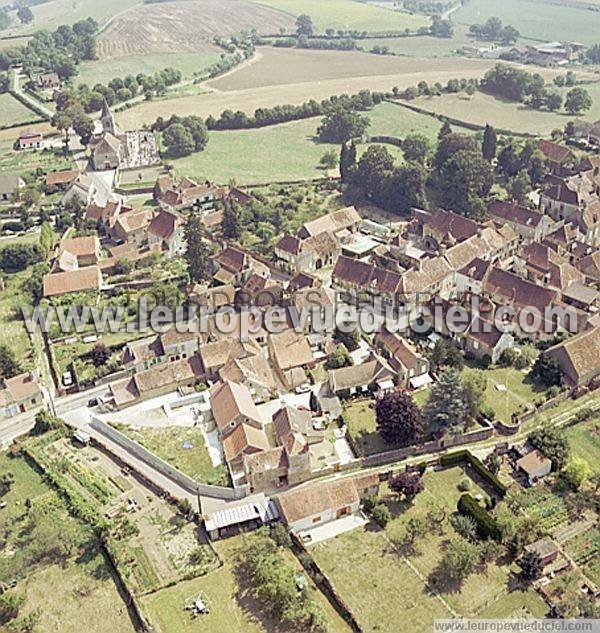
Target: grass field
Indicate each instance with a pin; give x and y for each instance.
(23, 162)
(12, 327)
(279, 76)
(232, 609)
(349, 15)
(584, 440)
(168, 443)
(540, 20)
(13, 112)
(392, 120)
(348, 559)
(102, 72)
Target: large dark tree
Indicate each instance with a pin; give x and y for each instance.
(341, 125)
(347, 161)
(449, 144)
(407, 484)
(375, 165)
(399, 419)
(100, 355)
(231, 225)
(9, 365)
(198, 250)
(531, 566)
(553, 443)
(490, 143)
(546, 371)
(446, 407)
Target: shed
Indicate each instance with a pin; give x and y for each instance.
(535, 465)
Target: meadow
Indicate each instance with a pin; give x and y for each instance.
(100, 71)
(545, 21)
(13, 112)
(349, 15)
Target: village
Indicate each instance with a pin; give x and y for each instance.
(448, 454)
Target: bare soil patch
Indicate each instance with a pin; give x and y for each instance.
(185, 27)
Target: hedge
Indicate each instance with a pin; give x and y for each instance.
(486, 524)
(459, 457)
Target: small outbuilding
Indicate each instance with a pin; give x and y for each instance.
(535, 465)
(546, 549)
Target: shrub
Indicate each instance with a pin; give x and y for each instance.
(464, 484)
(486, 525)
(369, 502)
(381, 515)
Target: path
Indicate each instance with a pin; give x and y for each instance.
(34, 103)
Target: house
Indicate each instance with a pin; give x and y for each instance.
(48, 80)
(235, 517)
(78, 280)
(316, 504)
(168, 346)
(19, 394)
(166, 230)
(155, 381)
(535, 465)
(307, 255)
(411, 368)
(590, 266)
(132, 227)
(85, 250)
(254, 371)
(560, 158)
(10, 187)
(290, 354)
(188, 193)
(218, 354)
(546, 549)
(83, 188)
(346, 219)
(233, 266)
(542, 264)
(578, 358)
(363, 278)
(484, 339)
(374, 374)
(242, 441)
(442, 228)
(60, 180)
(232, 406)
(29, 139)
(530, 225)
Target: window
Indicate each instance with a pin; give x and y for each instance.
(316, 520)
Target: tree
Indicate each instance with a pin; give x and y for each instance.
(465, 526)
(381, 515)
(338, 358)
(416, 148)
(490, 143)
(198, 250)
(531, 566)
(446, 408)
(449, 144)
(231, 225)
(47, 239)
(519, 187)
(546, 371)
(9, 365)
(25, 15)
(474, 384)
(329, 160)
(10, 603)
(375, 165)
(554, 100)
(460, 559)
(100, 355)
(578, 100)
(399, 419)
(576, 472)
(341, 125)
(407, 484)
(509, 34)
(304, 25)
(416, 528)
(447, 353)
(553, 443)
(444, 130)
(347, 161)
(178, 140)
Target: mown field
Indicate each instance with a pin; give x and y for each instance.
(348, 15)
(540, 20)
(296, 76)
(101, 71)
(186, 26)
(288, 151)
(13, 112)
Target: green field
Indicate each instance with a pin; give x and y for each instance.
(12, 327)
(393, 120)
(584, 440)
(13, 112)
(540, 20)
(102, 71)
(349, 15)
(50, 15)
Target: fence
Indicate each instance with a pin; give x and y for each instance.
(186, 483)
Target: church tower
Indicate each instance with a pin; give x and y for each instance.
(108, 119)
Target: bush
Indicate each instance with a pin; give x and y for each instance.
(381, 515)
(464, 484)
(369, 502)
(488, 412)
(486, 525)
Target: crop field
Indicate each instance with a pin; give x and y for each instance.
(295, 76)
(13, 112)
(540, 20)
(50, 15)
(185, 27)
(348, 15)
(100, 72)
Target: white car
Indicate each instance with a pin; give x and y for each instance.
(305, 388)
(67, 379)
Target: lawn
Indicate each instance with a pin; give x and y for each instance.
(584, 440)
(389, 119)
(12, 327)
(13, 112)
(168, 444)
(349, 15)
(102, 71)
(360, 418)
(355, 556)
(232, 608)
(520, 391)
(546, 21)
